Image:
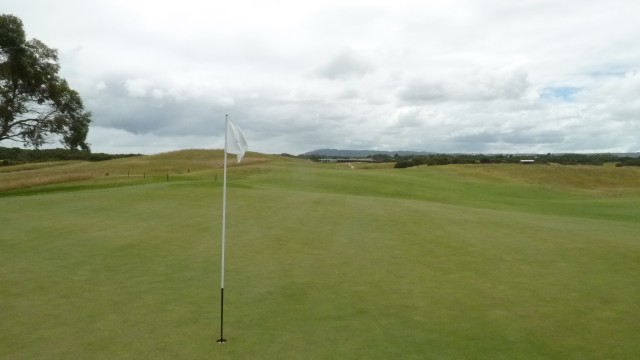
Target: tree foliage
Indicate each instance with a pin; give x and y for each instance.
(35, 102)
(411, 160)
(563, 159)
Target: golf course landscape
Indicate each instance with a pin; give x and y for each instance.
(120, 259)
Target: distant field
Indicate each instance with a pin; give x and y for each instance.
(120, 260)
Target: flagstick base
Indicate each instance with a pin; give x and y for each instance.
(221, 341)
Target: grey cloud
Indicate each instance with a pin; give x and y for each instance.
(505, 85)
(481, 137)
(511, 85)
(522, 136)
(145, 112)
(598, 141)
(344, 65)
(410, 118)
(349, 93)
(396, 81)
(422, 91)
(532, 136)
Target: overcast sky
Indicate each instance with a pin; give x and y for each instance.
(444, 76)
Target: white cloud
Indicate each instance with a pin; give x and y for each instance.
(226, 101)
(129, 143)
(458, 75)
(346, 64)
(502, 84)
(101, 85)
(137, 87)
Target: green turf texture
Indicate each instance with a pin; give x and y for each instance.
(324, 262)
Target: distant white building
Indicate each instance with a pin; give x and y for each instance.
(527, 161)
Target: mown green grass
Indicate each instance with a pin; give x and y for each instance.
(324, 262)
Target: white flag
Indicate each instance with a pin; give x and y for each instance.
(236, 144)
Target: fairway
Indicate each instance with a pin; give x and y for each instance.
(323, 261)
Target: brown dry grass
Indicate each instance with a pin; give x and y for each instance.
(34, 166)
(567, 177)
(21, 182)
(184, 163)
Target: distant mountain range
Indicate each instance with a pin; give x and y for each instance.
(365, 153)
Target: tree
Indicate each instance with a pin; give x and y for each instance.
(35, 102)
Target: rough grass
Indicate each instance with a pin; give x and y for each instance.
(566, 178)
(33, 166)
(174, 165)
(49, 179)
(324, 262)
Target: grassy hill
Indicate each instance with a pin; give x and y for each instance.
(178, 164)
(324, 261)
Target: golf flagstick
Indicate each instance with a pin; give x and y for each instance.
(234, 143)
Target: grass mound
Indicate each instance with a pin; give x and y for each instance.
(65, 174)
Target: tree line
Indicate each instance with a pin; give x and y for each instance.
(563, 159)
(17, 156)
(404, 161)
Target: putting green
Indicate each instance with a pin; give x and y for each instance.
(323, 262)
